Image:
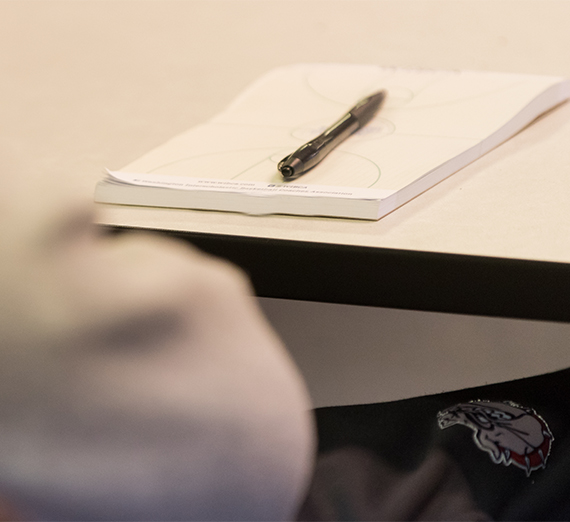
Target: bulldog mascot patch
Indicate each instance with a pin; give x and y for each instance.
(508, 432)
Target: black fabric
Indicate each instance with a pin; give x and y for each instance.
(402, 439)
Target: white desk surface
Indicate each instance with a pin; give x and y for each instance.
(94, 84)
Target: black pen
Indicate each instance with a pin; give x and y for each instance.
(314, 151)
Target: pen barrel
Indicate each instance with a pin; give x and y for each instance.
(315, 150)
(367, 108)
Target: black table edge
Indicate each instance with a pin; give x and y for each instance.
(392, 278)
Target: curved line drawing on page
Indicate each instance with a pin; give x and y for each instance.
(260, 164)
(225, 164)
(502, 85)
(324, 82)
(329, 82)
(412, 90)
(377, 128)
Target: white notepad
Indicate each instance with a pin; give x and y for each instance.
(432, 124)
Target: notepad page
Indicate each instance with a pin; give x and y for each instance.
(429, 118)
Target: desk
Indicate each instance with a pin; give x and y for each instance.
(95, 84)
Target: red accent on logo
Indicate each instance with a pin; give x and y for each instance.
(508, 432)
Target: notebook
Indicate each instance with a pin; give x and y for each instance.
(432, 124)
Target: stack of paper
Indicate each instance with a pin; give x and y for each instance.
(432, 124)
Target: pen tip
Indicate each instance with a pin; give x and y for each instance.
(287, 172)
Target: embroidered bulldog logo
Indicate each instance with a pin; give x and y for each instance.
(508, 432)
